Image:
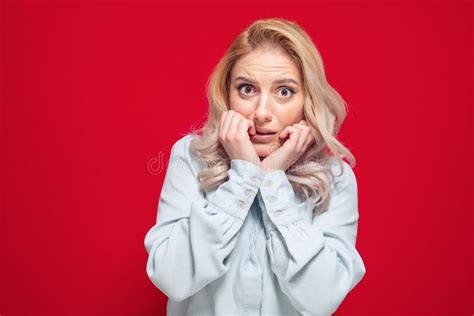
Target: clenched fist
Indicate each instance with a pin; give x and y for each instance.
(234, 135)
(298, 140)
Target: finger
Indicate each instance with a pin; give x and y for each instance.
(311, 137)
(221, 121)
(294, 136)
(312, 131)
(284, 134)
(299, 126)
(309, 142)
(251, 130)
(226, 123)
(303, 138)
(288, 131)
(303, 122)
(299, 142)
(233, 125)
(243, 127)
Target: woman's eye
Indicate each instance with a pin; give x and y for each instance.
(247, 89)
(286, 94)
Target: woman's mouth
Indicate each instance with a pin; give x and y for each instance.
(263, 137)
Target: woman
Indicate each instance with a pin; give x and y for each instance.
(258, 212)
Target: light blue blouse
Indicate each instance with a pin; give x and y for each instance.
(251, 246)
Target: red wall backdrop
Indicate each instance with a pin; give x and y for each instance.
(94, 95)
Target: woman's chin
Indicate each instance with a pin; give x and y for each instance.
(263, 150)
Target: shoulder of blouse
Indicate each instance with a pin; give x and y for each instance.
(181, 153)
(345, 180)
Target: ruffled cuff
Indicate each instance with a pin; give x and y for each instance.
(280, 206)
(236, 195)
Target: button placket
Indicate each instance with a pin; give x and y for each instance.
(272, 199)
(248, 192)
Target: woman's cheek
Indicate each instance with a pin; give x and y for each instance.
(244, 109)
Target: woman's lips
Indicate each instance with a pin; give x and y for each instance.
(262, 138)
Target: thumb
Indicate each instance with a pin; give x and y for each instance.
(284, 134)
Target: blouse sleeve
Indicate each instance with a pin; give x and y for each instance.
(189, 245)
(315, 260)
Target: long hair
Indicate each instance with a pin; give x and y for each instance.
(324, 111)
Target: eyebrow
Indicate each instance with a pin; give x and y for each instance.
(278, 81)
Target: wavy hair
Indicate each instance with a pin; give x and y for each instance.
(324, 111)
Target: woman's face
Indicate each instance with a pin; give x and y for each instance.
(266, 88)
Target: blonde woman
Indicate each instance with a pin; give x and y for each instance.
(258, 212)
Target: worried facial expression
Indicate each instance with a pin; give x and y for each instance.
(266, 88)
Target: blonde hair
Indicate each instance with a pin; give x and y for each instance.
(324, 111)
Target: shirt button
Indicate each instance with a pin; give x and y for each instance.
(241, 204)
(254, 179)
(269, 183)
(248, 192)
(273, 199)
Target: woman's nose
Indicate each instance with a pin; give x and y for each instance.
(263, 112)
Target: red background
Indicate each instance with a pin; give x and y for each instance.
(94, 93)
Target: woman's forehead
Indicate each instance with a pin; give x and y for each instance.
(273, 66)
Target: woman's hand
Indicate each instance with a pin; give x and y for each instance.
(234, 130)
(300, 138)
